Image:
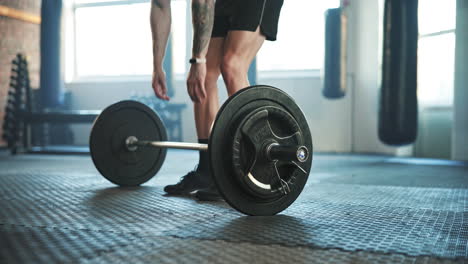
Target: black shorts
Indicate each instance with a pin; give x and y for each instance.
(247, 15)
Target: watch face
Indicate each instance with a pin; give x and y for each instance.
(197, 60)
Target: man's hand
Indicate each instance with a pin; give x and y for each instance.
(159, 84)
(160, 19)
(196, 82)
(202, 20)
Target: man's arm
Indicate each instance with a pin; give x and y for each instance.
(160, 27)
(202, 20)
(160, 19)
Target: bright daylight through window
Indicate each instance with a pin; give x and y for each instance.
(113, 38)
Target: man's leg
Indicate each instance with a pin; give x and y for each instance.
(240, 49)
(244, 39)
(205, 113)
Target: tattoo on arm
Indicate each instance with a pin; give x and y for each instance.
(162, 3)
(202, 18)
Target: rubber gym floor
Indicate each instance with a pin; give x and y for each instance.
(354, 209)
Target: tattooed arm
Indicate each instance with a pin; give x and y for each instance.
(202, 20)
(160, 19)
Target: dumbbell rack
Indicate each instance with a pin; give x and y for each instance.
(20, 115)
(14, 130)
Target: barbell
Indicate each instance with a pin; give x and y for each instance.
(260, 148)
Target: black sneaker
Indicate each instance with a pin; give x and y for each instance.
(208, 194)
(193, 181)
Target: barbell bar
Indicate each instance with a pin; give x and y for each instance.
(273, 151)
(132, 143)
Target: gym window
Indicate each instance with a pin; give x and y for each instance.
(436, 52)
(112, 38)
(301, 37)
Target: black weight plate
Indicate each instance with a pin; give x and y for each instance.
(107, 143)
(261, 176)
(228, 119)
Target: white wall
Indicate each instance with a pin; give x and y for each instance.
(434, 132)
(460, 126)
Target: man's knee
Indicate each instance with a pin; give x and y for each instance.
(232, 67)
(212, 75)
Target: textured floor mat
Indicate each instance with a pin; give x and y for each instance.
(58, 209)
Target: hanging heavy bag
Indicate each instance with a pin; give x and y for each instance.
(51, 85)
(334, 77)
(398, 113)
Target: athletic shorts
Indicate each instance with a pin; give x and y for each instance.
(247, 15)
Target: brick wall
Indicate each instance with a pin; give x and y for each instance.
(17, 36)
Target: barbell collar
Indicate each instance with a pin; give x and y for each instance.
(132, 143)
(276, 151)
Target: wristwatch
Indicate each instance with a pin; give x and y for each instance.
(197, 60)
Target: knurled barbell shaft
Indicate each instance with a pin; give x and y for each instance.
(132, 142)
(175, 145)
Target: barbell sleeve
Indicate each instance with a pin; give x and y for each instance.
(287, 153)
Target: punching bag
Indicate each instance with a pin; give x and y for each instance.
(398, 113)
(51, 85)
(334, 77)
